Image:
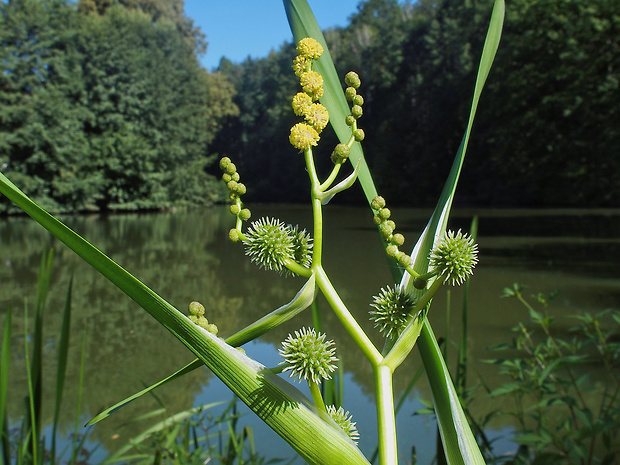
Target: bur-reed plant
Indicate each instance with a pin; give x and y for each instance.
(322, 434)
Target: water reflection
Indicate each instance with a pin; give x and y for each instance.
(186, 256)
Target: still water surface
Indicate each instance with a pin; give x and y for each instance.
(186, 256)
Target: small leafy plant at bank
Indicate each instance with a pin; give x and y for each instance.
(399, 310)
(565, 411)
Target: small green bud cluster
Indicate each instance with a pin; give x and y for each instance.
(307, 134)
(392, 308)
(341, 152)
(387, 227)
(197, 316)
(271, 245)
(308, 355)
(345, 421)
(352, 80)
(236, 190)
(454, 257)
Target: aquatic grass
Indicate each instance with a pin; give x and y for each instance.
(28, 447)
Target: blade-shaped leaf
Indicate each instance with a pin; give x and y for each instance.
(439, 219)
(459, 442)
(302, 300)
(283, 407)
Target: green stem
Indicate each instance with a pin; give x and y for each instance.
(350, 324)
(317, 211)
(298, 269)
(342, 312)
(332, 177)
(315, 390)
(386, 420)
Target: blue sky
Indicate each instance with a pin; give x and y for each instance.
(237, 29)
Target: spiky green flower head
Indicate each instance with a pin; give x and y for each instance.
(309, 48)
(308, 355)
(303, 136)
(302, 246)
(271, 244)
(392, 308)
(454, 257)
(345, 421)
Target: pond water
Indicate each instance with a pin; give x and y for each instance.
(185, 256)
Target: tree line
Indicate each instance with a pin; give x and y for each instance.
(103, 104)
(547, 132)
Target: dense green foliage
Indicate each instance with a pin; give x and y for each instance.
(86, 123)
(110, 110)
(548, 129)
(564, 413)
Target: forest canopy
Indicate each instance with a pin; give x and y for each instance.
(547, 132)
(103, 104)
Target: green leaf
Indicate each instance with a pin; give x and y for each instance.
(528, 439)
(283, 407)
(197, 363)
(460, 445)
(118, 455)
(5, 363)
(302, 300)
(63, 351)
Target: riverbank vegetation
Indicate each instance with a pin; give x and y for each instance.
(85, 123)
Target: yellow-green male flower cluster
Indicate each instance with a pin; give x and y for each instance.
(197, 316)
(308, 355)
(236, 190)
(309, 48)
(387, 227)
(392, 308)
(307, 134)
(271, 244)
(454, 257)
(345, 421)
